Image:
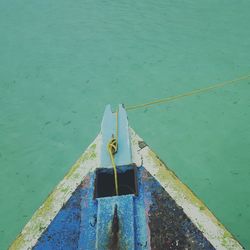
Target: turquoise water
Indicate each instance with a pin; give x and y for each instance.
(62, 61)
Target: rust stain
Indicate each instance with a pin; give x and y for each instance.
(114, 235)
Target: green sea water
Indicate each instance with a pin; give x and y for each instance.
(62, 61)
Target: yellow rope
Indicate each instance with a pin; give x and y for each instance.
(194, 92)
(113, 143)
(112, 149)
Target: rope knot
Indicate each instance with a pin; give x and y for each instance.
(113, 145)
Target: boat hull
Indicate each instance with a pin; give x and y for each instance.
(165, 213)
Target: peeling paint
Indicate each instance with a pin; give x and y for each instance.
(195, 209)
(43, 216)
(203, 218)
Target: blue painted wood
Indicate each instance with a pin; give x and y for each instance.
(141, 226)
(107, 131)
(105, 214)
(88, 216)
(63, 232)
(108, 128)
(85, 223)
